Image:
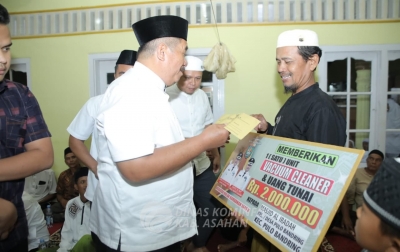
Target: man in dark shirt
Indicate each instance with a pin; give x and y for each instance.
(25, 147)
(309, 114)
(65, 185)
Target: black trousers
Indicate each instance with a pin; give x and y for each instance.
(207, 207)
(101, 247)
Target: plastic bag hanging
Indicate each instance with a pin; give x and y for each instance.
(219, 61)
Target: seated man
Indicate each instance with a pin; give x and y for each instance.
(77, 214)
(36, 222)
(362, 178)
(65, 185)
(392, 122)
(354, 195)
(42, 187)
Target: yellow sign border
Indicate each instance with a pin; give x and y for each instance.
(337, 202)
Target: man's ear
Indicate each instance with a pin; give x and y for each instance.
(161, 51)
(313, 62)
(395, 245)
(76, 186)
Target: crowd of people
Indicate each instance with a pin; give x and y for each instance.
(144, 184)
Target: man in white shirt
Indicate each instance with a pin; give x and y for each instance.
(230, 172)
(36, 222)
(392, 122)
(77, 214)
(83, 125)
(242, 178)
(193, 111)
(144, 201)
(42, 187)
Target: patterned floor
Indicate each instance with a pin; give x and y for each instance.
(55, 235)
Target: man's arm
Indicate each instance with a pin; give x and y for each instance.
(62, 201)
(8, 217)
(347, 224)
(52, 187)
(80, 130)
(79, 148)
(216, 160)
(170, 158)
(263, 127)
(61, 185)
(38, 157)
(47, 198)
(346, 205)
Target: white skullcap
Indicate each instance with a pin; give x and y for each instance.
(297, 38)
(194, 64)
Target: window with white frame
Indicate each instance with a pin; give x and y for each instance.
(364, 81)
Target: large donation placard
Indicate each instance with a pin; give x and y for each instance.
(288, 190)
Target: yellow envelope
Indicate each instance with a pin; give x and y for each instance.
(238, 125)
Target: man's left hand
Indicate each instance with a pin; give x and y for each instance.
(216, 164)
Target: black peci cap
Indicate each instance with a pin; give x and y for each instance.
(160, 27)
(377, 152)
(81, 172)
(127, 57)
(67, 151)
(383, 193)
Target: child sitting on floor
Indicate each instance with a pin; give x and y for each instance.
(378, 226)
(77, 214)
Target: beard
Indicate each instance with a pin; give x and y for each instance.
(292, 89)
